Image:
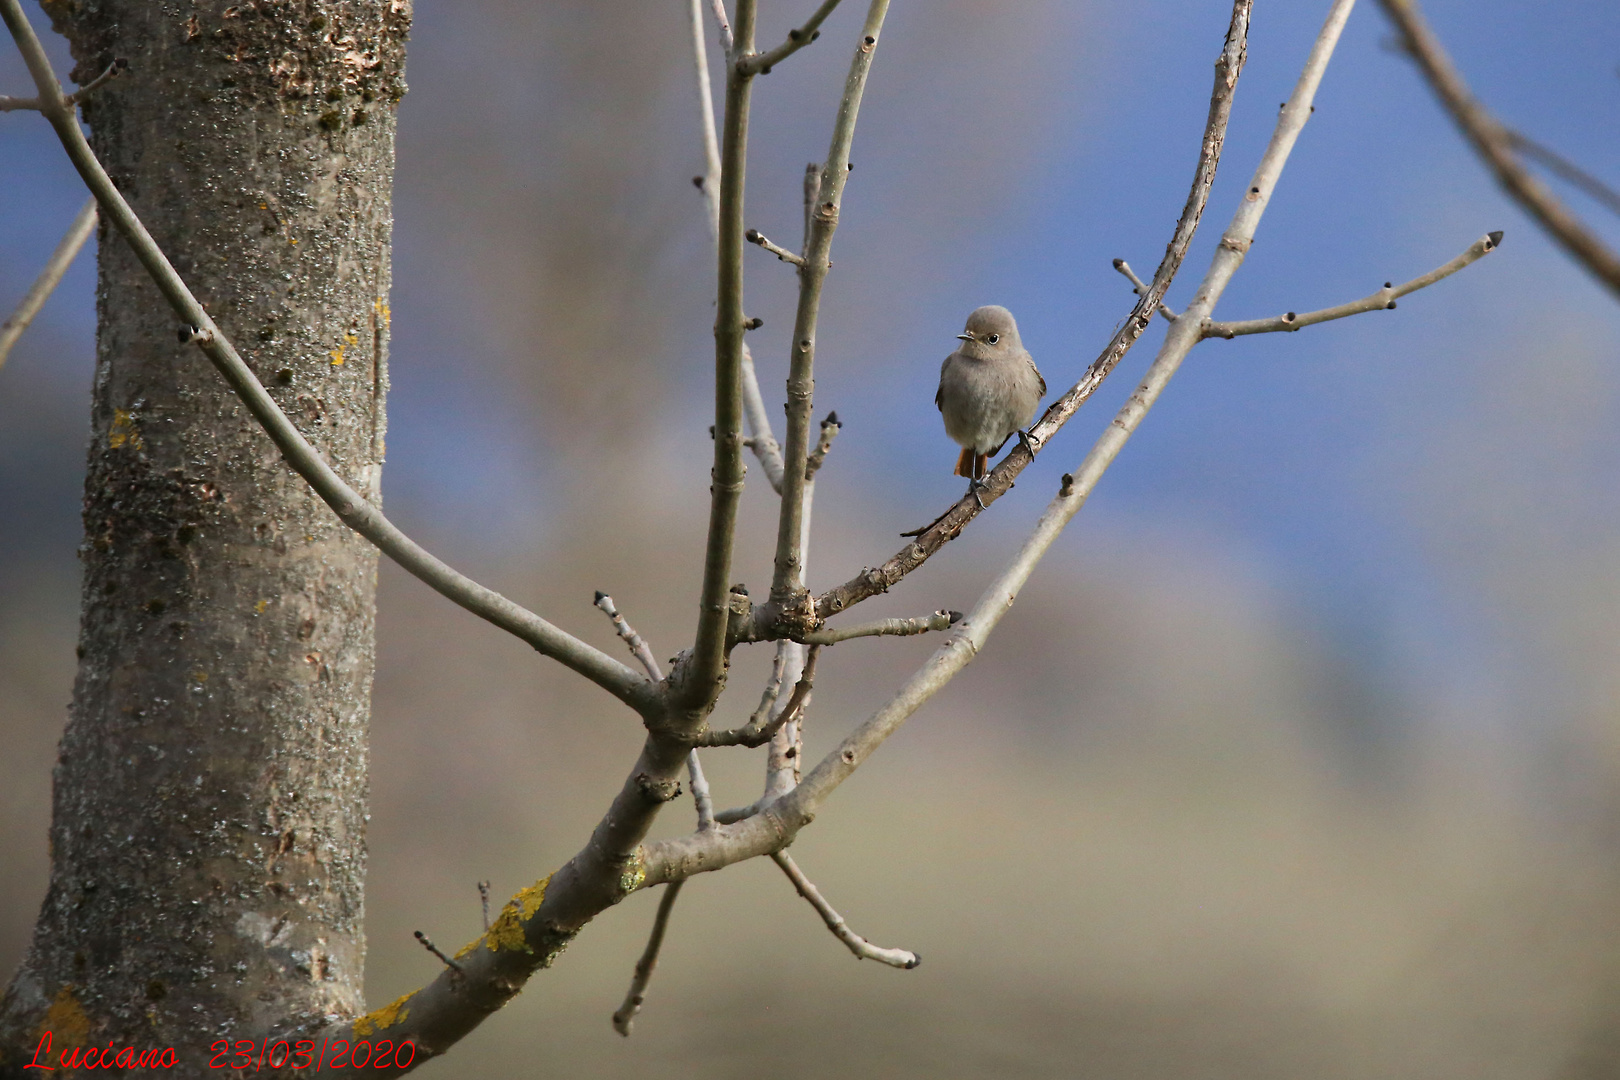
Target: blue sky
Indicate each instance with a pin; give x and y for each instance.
(1351, 467)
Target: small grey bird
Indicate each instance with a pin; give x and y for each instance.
(988, 390)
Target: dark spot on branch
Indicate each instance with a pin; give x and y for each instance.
(1495, 238)
(658, 791)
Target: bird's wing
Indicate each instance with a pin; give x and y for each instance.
(1038, 377)
(939, 395)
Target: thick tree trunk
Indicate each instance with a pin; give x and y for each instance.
(208, 838)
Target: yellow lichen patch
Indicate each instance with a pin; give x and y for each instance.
(337, 353)
(380, 306)
(123, 433)
(634, 874)
(258, 609)
(507, 933)
(65, 1020)
(466, 950)
(386, 1017)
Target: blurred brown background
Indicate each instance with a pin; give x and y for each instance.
(1299, 756)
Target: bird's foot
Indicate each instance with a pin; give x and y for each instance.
(1029, 442)
(974, 487)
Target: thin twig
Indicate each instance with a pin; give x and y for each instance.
(701, 681)
(726, 40)
(818, 457)
(1561, 166)
(832, 635)
(34, 104)
(701, 796)
(787, 579)
(863, 949)
(637, 644)
(767, 700)
(84, 223)
(1141, 288)
(758, 730)
(762, 441)
(1381, 300)
(624, 1019)
(643, 652)
(797, 39)
(1494, 144)
(947, 526)
(709, 182)
(427, 944)
(782, 253)
(113, 70)
(352, 508)
(483, 900)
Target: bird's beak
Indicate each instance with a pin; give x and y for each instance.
(966, 337)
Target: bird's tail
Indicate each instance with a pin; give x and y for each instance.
(964, 464)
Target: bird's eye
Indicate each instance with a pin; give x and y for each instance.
(993, 338)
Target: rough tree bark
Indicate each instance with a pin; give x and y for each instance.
(210, 807)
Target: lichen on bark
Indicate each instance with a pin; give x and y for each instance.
(210, 803)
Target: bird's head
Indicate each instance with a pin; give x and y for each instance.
(991, 332)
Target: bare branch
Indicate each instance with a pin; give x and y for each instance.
(637, 644)
(14, 104)
(863, 949)
(797, 39)
(625, 1018)
(1495, 145)
(726, 40)
(113, 70)
(761, 440)
(782, 253)
(776, 825)
(1382, 299)
(354, 510)
(643, 652)
(787, 584)
(84, 223)
(1561, 166)
(948, 525)
(829, 431)
(483, 900)
(427, 943)
(758, 730)
(939, 620)
(709, 182)
(700, 791)
(1141, 288)
(699, 681)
